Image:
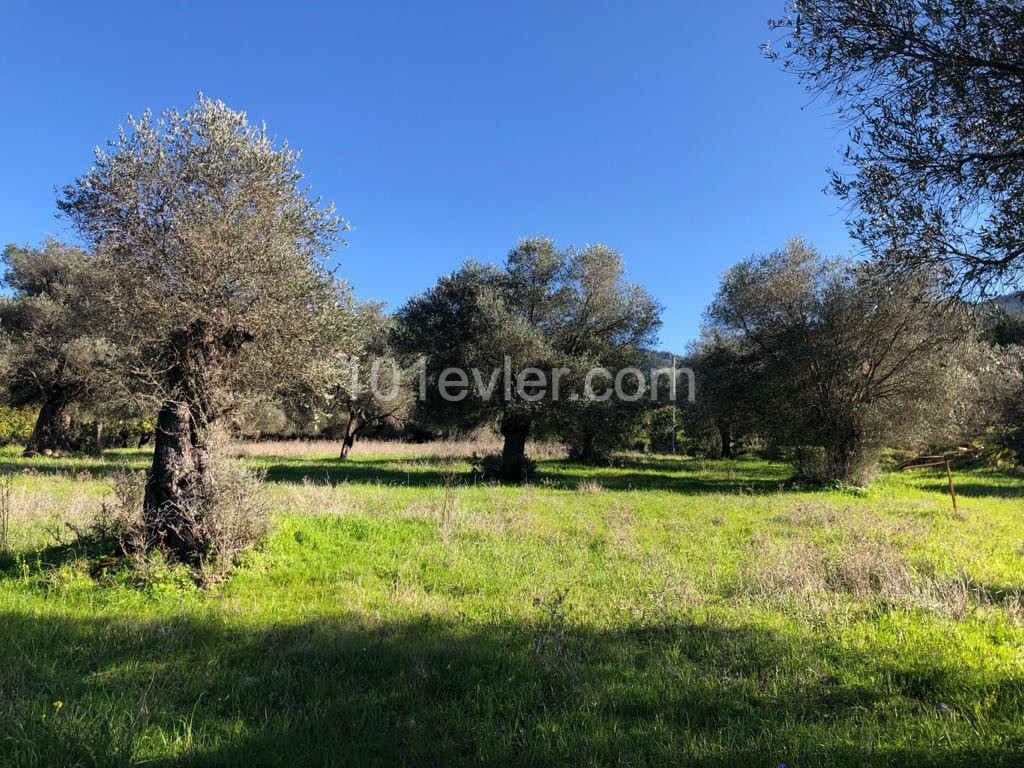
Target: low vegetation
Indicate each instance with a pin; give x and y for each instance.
(527, 592)
(656, 611)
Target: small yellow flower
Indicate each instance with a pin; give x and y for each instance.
(57, 705)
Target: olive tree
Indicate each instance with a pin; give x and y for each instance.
(463, 324)
(545, 309)
(215, 254)
(592, 428)
(56, 354)
(371, 385)
(728, 386)
(931, 93)
(843, 358)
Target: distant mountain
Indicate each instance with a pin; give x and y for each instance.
(1012, 304)
(1003, 319)
(655, 358)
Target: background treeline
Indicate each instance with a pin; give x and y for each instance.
(198, 304)
(821, 361)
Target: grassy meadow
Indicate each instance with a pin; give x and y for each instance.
(660, 611)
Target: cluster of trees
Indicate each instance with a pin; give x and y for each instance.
(199, 301)
(933, 175)
(830, 357)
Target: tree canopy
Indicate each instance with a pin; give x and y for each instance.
(931, 93)
(215, 252)
(546, 308)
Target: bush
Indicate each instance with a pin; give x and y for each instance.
(229, 516)
(708, 444)
(811, 464)
(16, 424)
(493, 467)
(589, 449)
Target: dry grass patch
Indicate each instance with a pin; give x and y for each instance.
(314, 497)
(440, 449)
(864, 568)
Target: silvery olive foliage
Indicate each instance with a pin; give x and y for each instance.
(57, 356)
(215, 251)
(365, 383)
(207, 230)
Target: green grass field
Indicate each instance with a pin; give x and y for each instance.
(660, 612)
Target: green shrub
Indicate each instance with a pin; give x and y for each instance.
(657, 430)
(16, 424)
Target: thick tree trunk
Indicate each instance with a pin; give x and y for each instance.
(176, 479)
(96, 446)
(583, 449)
(52, 432)
(515, 428)
(351, 430)
(846, 462)
(176, 490)
(725, 435)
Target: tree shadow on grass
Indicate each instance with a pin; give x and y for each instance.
(562, 474)
(625, 474)
(33, 562)
(353, 691)
(656, 473)
(369, 472)
(96, 469)
(570, 476)
(976, 490)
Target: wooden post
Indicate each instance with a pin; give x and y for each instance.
(935, 461)
(952, 488)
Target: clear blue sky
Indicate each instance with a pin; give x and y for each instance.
(447, 130)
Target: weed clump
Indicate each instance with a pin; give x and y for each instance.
(496, 467)
(229, 515)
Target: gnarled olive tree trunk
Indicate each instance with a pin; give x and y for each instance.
(176, 479)
(176, 488)
(352, 430)
(515, 429)
(725, 436)
(52, 431)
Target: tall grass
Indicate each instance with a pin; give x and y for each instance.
(6, 485)
(463, 448)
